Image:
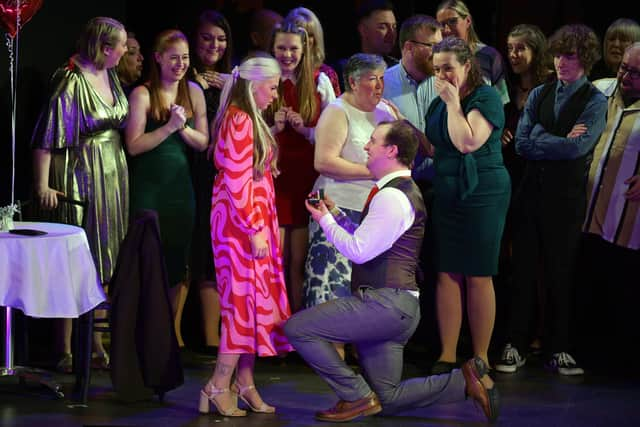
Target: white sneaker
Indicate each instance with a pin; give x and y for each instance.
(564, 364)
(510, 360)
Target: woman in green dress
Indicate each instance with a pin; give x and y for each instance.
(167, 117)
(472, 190)
(78, 153)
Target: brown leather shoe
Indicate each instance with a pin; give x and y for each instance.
(487, 398)
(347, 411)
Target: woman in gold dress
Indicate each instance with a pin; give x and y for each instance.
(78, 152)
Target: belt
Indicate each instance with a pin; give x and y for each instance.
(412, 292)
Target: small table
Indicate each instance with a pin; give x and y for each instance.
(51, 276)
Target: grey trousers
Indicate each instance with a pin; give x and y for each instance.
(379, 322)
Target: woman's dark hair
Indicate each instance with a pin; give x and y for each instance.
(534, 38)
(211, 17)
(463, 54)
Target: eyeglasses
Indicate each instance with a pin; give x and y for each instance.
(451, 22)
(625, 69)
(429, 45)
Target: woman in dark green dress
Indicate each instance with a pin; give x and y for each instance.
(472, 190)
(167, 117)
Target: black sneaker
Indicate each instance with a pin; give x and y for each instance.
(564, 364)
(510, 360)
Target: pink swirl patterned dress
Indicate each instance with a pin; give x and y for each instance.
(253, 296)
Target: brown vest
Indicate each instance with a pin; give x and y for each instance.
(397, 266)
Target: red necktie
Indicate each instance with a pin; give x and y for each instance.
(373, 192)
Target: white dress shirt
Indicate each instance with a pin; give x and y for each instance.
(390, 215)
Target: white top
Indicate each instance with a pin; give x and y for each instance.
(352, 194)
(390, 215)
(325, 89)
(52, 275)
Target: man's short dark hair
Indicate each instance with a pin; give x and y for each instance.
(367, 7)
(406, 137)
(415, 23)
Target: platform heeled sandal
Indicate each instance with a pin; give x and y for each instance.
(241, 390)
(209, 395)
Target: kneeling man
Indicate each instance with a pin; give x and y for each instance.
(383, 311)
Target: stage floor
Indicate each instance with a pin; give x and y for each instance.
(531, 397)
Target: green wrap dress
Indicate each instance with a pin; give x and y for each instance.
(471, 191)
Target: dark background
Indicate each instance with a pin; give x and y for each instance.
(48, 40)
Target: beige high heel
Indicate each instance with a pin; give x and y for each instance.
(241, 390)
(210, 395)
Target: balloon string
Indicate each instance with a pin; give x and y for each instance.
(9, 43)
(14, 104)
(12, 47)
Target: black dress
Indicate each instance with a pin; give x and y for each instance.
(202, 175)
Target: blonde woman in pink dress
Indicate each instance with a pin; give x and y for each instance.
(245, 238)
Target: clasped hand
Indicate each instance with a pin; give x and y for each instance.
(286, 115)
(177, 117)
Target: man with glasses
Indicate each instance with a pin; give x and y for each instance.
(409, 84)
(611, 243)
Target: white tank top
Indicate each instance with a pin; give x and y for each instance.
(352, 194)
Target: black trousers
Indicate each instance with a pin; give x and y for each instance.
(607, 304)
(546, 235)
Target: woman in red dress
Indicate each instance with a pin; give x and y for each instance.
(244, 233)
(304, 91)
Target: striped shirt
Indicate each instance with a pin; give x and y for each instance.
(615, 159)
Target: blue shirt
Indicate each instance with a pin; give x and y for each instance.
(533, 142)
(412, 99)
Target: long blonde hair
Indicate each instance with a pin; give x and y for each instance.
(238, 91)
(305, 82)
(308, 20)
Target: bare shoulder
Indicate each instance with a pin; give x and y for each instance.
(194, 88)
(140, 93)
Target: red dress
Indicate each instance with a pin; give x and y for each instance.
(297, 174)
(253, 297)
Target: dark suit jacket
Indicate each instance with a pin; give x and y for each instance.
(144, 352)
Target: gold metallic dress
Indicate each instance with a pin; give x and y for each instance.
(88, 161)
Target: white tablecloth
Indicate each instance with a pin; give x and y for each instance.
(52, 275)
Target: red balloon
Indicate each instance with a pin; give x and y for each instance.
(9, 11)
